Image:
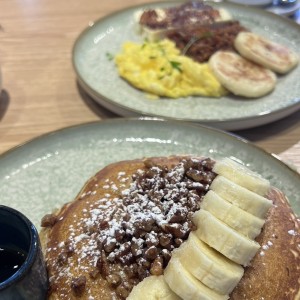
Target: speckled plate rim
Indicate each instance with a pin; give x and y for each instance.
(232, 124)
(264, 117)
(272, 161)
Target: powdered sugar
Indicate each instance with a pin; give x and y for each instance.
(136, 225)
(292, 232)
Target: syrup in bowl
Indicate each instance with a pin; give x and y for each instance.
(11, 260)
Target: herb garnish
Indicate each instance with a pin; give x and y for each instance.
(109, 56)
(176, 65)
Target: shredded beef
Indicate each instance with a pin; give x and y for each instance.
(200, 42)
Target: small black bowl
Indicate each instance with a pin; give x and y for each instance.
(23, 272)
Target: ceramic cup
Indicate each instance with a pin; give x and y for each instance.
(22, 268)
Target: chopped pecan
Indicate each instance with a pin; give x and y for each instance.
(94, 274)
(151, 253)
(157, 266)
(109, 246)
(114, 279)
(122, 291)
(49, 220)
(78, 285)
(62, 258)
(165, 239)
(175, 229)
(102, 265)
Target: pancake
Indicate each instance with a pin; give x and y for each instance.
(129, 217)
(275, 270)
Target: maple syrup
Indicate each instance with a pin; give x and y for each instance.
(10, 262)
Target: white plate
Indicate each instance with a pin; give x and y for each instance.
(45, 173)
(99, 78)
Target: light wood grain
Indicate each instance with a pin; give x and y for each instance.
(40, 93)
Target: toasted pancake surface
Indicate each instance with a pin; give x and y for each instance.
(274, 272)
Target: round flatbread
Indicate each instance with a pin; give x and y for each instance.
(240, 76)
(267, 53)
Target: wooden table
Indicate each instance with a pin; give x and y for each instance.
(40, 93)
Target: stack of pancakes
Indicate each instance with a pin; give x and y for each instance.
(85, 241)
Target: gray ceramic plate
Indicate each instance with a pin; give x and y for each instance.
(46, 172)
(99, 78)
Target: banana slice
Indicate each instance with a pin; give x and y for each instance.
(240, 76)
(152, 288)
(241, 175)
(209, 266)
(224, 239)
(230, 217)
(267, 53)
(186, 285)
(241, 197)
(238, 219)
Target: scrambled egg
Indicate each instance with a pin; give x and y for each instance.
(159, 69)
